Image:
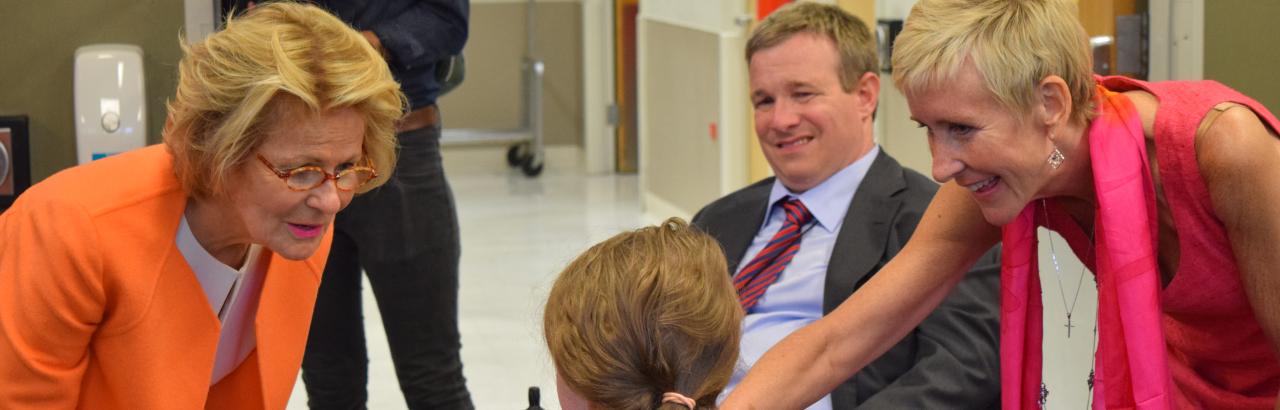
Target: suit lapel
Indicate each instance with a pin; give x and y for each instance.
(741, 223)
(861, 241)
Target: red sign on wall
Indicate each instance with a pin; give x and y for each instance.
(765, 7)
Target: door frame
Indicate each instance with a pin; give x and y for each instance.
(597, 87)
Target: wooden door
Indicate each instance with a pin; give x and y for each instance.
(626, 155)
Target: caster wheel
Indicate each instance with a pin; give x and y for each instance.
(530, 168)
(514, 155)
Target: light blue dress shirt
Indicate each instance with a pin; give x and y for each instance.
(795, 300)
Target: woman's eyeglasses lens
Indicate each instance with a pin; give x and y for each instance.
(346, 180)
(308, 177)
(353, 178)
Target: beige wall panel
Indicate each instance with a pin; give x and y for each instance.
(490, 96)
(757, 166)
(901, 137)
(679, 99)
(1238, 47)
(36, 64)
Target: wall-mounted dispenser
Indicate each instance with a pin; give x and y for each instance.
(110, 100)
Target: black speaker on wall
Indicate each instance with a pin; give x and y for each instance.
(15, 158)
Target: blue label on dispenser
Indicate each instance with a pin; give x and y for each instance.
(100, 155)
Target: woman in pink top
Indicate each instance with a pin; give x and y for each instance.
(1162, 189)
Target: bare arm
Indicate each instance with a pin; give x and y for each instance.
(1238, 158)
(814, 360)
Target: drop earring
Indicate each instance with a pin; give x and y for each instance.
(1056, 157)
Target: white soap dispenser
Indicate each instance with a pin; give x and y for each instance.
(110, 100)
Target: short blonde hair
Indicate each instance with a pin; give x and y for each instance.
(1015, 44)
(230, 87)
(853, 40)
(645, 313)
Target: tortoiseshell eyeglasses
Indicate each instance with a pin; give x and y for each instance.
(305, 178)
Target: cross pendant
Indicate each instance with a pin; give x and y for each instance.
(1069, 326)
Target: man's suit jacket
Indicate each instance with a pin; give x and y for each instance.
(952, 359)
(99, 309)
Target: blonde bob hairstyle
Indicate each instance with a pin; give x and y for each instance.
(853, 40)
(1014, 44)
(232, 86)
(645, 313)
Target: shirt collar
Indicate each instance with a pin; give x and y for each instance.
(829, 200)
(215, 277)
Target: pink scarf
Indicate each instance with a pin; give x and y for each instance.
(1131, 368)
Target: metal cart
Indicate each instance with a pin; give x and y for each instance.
(525, 149)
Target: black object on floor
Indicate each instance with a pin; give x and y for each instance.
(535, 396)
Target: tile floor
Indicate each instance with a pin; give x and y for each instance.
(517, 233)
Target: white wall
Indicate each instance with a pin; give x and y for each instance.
(1177, 40)
(199, 20)
(597, 85)
(893, 9)
(709, 15)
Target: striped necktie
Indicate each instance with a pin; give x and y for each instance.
(765, 268)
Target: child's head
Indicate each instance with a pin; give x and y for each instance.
(643, 314)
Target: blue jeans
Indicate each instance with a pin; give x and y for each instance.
(405, 236)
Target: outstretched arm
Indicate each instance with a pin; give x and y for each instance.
(1238, 158)
(814, 360)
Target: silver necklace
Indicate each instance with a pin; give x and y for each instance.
(1053, 253)
(1088, 404)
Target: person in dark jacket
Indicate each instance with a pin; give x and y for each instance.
(404, 236)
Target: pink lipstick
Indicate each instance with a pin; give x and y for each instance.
(306, 231)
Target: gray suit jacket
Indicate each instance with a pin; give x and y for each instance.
(952, 359)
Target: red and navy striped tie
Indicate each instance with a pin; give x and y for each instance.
(765, 268)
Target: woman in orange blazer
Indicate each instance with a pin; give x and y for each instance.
(182, 275)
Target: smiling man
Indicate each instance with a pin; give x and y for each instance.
(838, 209)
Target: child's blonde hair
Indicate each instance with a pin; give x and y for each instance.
(645, 313)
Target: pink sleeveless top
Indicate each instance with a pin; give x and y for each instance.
(1218, 356)
(1195, 344)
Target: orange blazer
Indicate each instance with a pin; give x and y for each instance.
(99, 309)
